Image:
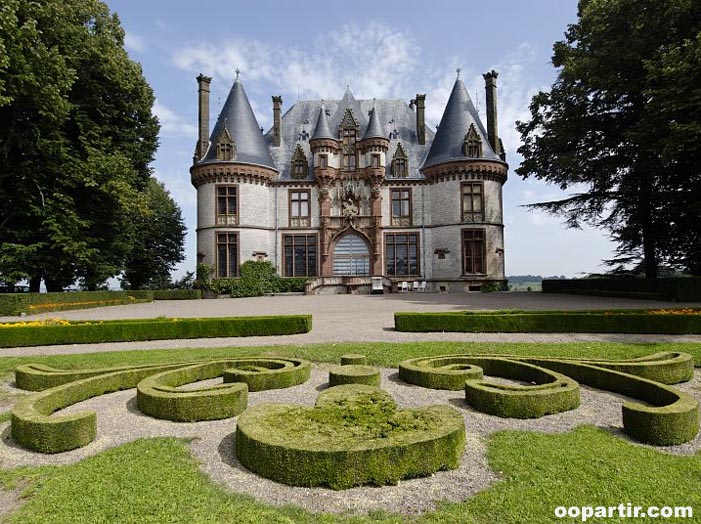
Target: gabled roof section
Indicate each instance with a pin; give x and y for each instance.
(322, 129)
(459, 114)
(348, 113)
(374, 129)
(238, 119)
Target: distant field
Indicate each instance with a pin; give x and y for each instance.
(525, 286)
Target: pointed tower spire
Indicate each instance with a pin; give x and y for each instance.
(374, 129)
(322, 129)
(239, 120)
(459, 114)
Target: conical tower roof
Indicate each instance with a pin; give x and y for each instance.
(459, 113)
(322, 129)
(238, 119)
(374, 129)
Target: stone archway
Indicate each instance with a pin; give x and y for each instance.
(351, 256)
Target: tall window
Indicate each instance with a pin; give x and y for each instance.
(323, 160)
(349, 132)
(227, 255)
(375, 160)
(472, 145)
(399, 163)
(473, 202)
(473, 252)
(402, 254)
(227, 205)
(299, 208)
(299, 163)
(401, 207)
(299, 255)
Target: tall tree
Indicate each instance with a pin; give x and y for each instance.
(608, 124)
(159, 233)
(77, 135)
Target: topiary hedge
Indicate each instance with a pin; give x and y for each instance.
(350, 359)
(29, 303)
(158, 397)
(354, 374)
(83, 332)
(261, 374)
(355, 435)
(33, 427)
(670, 418)
(628, 321)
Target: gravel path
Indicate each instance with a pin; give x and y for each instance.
(119, 422)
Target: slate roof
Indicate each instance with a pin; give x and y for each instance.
(374, 129)
(238, 118)
(459, 113)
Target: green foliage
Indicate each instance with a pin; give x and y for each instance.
(677, 289)
(177, 294)
(81, 332)
(18, 303)
(77, 135)
(669, 416)
(353, 359)
(158, 238)
(354, 374)
(628, 321)
(257, 278)
(622, 119)
(354, 436)
(268, 373)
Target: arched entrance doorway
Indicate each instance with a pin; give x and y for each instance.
(351, 256)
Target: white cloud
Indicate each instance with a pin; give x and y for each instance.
(173, 124)
(134, 42)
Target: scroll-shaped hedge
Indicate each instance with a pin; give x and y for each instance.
(671, 418)
(34, 428)
(261, 374)
(354, 374)
(158, 397)
(355, 435)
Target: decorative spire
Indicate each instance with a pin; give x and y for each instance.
(374, 129)
(238, 71)
(322, 129)
(458, 71)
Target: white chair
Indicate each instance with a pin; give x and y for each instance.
(404, 288)
(422, 286)
(415, 285)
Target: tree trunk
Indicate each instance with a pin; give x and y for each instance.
(34, 284)
(53, 286)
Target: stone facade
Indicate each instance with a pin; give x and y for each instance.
(349, 189)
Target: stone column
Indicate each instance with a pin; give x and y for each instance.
(490, 86)
(420, 119)
(203, 116)
(277, 127)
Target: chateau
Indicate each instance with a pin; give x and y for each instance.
(345, 190)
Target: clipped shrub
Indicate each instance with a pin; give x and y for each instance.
(354, 436)
(261, 374)
(354, 374)
(445, 372)
(177, 294)
(33, 427)
(629, 321)
(158, 397)
(154, 329)
(29, 303)
(350, 359)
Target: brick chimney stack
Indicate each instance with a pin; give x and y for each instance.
(277, 127)
(420, 118)
(490, 86)
(203, 116)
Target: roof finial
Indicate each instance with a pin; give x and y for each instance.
(238, 71)
(458, 71)
(347, 88)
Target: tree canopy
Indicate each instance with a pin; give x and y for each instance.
(623, 120)
(77, 135)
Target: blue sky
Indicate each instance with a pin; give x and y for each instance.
(312, 49)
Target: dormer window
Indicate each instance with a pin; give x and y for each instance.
(299, 164)
(472, 146)
(226, 149)
(399, 163)
(349, 135)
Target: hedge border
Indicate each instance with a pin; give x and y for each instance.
(547, 322)
(18, 303)
(672, 418)
(354, 374)
(378, 461)
(261, 374)
(84, 332)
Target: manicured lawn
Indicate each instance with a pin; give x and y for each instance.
(158, 481)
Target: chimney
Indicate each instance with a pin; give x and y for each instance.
(490, 79)
(277, 129)
(203, 116)
(420, 121)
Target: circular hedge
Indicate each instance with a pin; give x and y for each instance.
(355, 435)
(350, 359)
(354, 374)
(262, 374)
